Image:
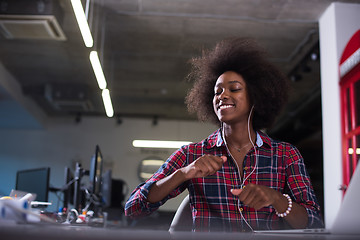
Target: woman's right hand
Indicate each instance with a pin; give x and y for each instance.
(203, 166)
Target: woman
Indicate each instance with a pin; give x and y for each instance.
(238, 178)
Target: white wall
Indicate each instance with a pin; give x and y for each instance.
(62, 143)
(338, 23)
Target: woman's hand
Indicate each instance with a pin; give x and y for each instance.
(203, 166)
(257, 196)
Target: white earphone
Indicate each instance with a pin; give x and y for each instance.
(256, 161)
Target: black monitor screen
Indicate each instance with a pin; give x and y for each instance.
(68, 187)
(34, 181)
(106, 188)
(96, 171)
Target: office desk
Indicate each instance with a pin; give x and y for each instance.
(57, 232)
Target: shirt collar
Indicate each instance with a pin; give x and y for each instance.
(216, 139)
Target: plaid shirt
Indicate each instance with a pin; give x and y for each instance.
(279, 166)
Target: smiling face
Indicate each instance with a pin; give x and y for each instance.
(231, 100)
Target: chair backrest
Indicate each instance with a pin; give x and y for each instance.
(182, 220)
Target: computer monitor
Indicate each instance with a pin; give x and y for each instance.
(68, 188)
(96, 166)
(34, 181)
(113, 191)
(106, 189)
(118, 193)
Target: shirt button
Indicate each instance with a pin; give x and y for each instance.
(241, 209)
(246, 168)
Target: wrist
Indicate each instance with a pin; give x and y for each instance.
(288, 209)
(181, 175)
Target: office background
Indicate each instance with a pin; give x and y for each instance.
(63, 143)
(35, 135)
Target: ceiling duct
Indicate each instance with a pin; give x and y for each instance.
(72, 98)
(31, 27)
(31, 19)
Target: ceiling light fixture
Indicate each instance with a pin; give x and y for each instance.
(107, 102)
(94, 58)
(82, 22)
(99, 74)
(159, 144)
(152, 162)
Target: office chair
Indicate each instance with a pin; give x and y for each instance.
(182, 220)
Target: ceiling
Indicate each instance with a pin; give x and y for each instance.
(144, 47)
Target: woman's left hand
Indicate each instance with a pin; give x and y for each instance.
(257, 196)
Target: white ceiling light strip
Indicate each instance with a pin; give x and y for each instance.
(107, 103)
(159, 144)
(149, 162)
(94, 57)
(82, 22)
(99, 74)
(100, 77)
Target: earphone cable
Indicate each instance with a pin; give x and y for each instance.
(256, 160)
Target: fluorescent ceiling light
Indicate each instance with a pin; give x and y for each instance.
(149, 162)
(82, 22)
(159, 144)
(99, 74)
(107, 103)
(145, 175)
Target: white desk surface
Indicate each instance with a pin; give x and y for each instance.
(57, 232)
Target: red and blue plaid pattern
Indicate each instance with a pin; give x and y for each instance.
(279, 166)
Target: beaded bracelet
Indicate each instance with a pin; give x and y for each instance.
(284, 214)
